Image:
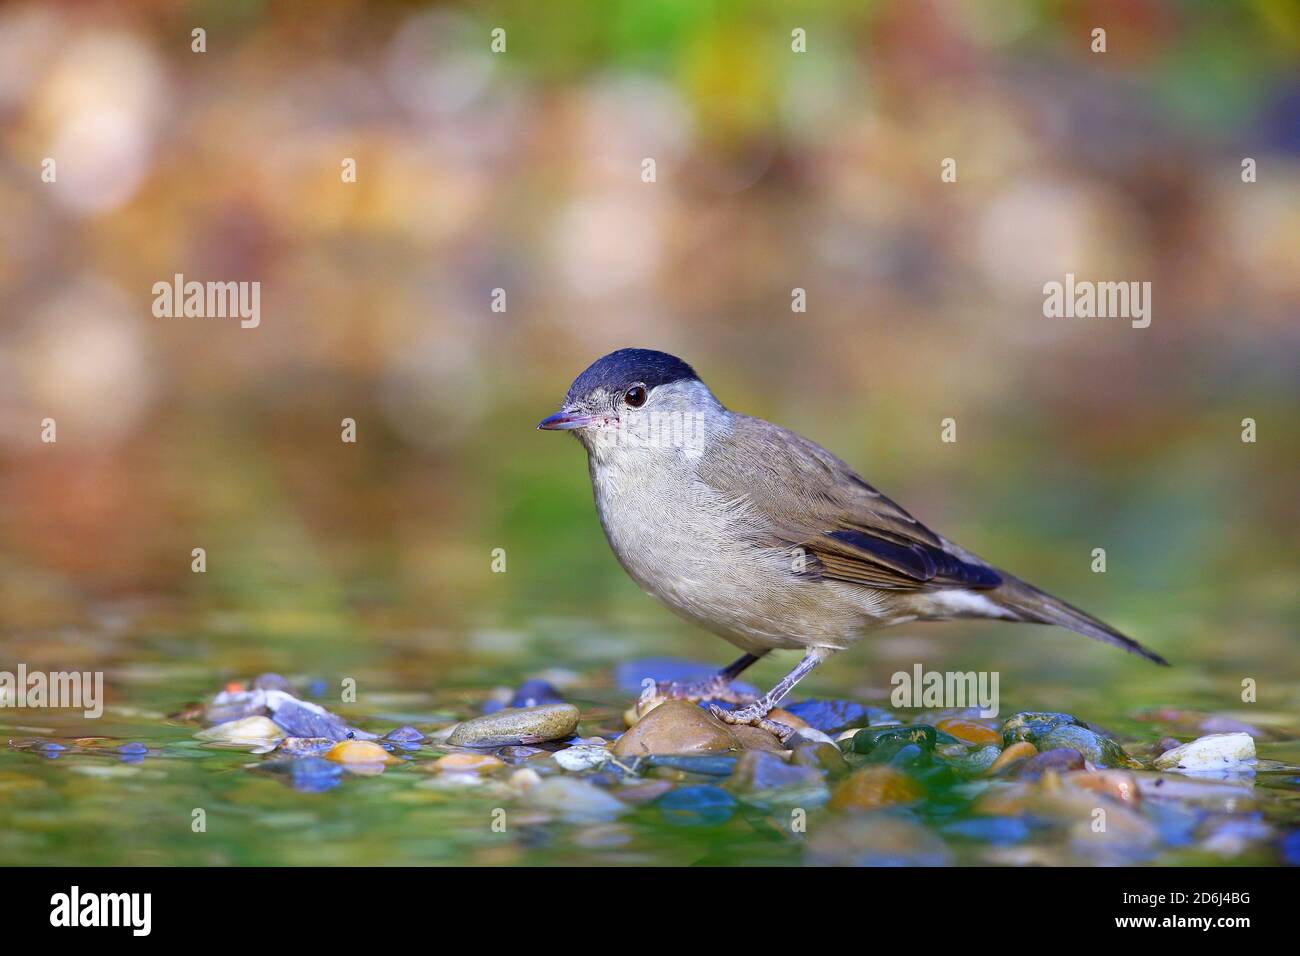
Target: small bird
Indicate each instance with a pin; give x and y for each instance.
(764, 537)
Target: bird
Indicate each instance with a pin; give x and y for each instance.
(763, 537)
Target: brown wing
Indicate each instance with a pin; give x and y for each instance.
(813, 500)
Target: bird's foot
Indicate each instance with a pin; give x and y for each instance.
(755, 715)
(713, 688)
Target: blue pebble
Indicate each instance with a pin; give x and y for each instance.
(697, 806)
(1291, 848)
(315, 774)
(48, 747)
(998, 831)
(534, 693)
(404, 735)
(134, 747)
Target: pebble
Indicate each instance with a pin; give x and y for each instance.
(315, 775)
(358, 752)
(757, 770)
(836, 716)
(892, 738)
(1031, 725)
(1119, 785)
(975, 762)
(824, 757)
(302, 719)
(574, 800)
(993, 831)
(1097, 750)
(1021, 750)
(534, 693)
(809, 735)
(970, 731)
(676, 727)
(305, 746)
(584, 757)
(134, 747)
(404, 735)
(468, 763)
(1210, 753)
(755, 738)
(524, 780)
(708, 765)
(529, 725)
(873, 787)
(259, 730)
(703, 805)
(1060, 760)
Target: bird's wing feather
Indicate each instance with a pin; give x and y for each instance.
(811, 499)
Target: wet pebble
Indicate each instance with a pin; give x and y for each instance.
(823, 757)
(1032, 725)
(969, 731)
(676, 727)
(529, 725)
(708, 765)
(1215, 752)
(534, 693)
(1021, 750)
(758, 770)
(872, 787)
(305, 746)
(405, 734)
(1097, 750)
(244, 730)
(573, 800)
(1119, 785)
(468, 763)
(134, 747)
(584, 757)
(358, 752)
(315, 775)
(993, 831)
(1060, 760)
(891, 739)
(975, 762)
(703, 805)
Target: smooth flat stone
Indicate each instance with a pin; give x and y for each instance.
(527, 725)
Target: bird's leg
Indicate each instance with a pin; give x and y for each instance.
(755, 715)
(717, 687)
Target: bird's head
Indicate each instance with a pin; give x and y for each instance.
(638, 399)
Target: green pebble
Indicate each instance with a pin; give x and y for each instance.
(869, 738)
(1032, 725)
(1096, 749)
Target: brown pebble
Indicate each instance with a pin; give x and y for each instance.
(1058, 760)
(1021, 750)
(969, 731)
(873, 787)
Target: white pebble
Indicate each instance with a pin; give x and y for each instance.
(1213, 752)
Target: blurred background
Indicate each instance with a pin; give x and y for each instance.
(522, 170)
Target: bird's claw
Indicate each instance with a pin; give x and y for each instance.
(755, 715)
(714, 688)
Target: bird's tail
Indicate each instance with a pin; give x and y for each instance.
(1029, 604)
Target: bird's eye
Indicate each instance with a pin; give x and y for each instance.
(635, 396)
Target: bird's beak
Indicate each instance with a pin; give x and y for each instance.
(565, 420)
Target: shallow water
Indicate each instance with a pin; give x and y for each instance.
(89, 804)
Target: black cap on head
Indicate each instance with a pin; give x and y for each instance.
(617, 370)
